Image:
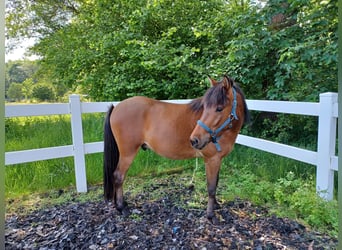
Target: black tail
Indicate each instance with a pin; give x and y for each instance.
(110, 158)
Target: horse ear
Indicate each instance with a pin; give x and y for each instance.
(227, 82)
(212, 81)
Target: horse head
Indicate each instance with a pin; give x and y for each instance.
(219, 111)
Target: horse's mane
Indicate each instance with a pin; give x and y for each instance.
(217, 96)
(196, 105)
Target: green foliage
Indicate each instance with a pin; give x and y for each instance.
(27, 19)
(131, 48)
(43, 92)
(30, 83)
(285, 188)
(19, 72)
(293, 58)
(163, 49)
(15, 92)
(305, 204)
(289, 196)
(27, 86)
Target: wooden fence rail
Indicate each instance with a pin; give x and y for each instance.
(324, 158)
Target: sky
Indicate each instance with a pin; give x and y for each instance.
(19, 53)
(16, 54)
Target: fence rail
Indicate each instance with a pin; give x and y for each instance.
(324, 158)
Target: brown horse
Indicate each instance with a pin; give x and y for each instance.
(206, 127)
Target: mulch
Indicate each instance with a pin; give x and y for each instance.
(165, 222)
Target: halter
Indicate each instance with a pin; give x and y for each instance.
(228, 122)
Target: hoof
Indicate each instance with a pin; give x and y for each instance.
(125, 212)
(210, 215)
(212, 219)
(121, 207)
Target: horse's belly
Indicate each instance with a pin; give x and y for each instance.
(172, 150)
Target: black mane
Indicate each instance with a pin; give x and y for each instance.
(216, 96)
(196, 105)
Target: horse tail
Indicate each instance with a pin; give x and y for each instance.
(110, 158)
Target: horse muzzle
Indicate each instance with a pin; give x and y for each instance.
(197, 143)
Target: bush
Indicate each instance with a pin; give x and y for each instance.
(43, 92)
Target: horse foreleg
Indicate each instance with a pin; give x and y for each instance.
(212, 168)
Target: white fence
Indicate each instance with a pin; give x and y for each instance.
(324, 159)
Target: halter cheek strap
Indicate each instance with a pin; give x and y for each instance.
(228, 122)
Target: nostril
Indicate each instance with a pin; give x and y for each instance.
(194, 142)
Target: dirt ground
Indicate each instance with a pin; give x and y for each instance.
(165, 221)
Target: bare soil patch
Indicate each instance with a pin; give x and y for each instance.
(165, 221)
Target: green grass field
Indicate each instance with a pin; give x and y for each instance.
(286, 185)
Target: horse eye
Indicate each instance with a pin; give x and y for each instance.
(219, 109)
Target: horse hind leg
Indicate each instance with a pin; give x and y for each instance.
(119, 177)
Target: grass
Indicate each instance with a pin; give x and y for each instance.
(286, 186)
(39, 132)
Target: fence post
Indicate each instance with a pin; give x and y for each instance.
(77, 141)
(326, 146)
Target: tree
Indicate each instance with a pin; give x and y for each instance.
(43, 92)
(164, 49)
(15, 92)
(37, 18)
(117, 49)
(19, 71)
(285, 52)
(27, 86)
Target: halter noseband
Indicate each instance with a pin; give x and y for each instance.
(213, 134)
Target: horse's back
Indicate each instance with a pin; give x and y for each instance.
(132, 107)
(144, 109)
